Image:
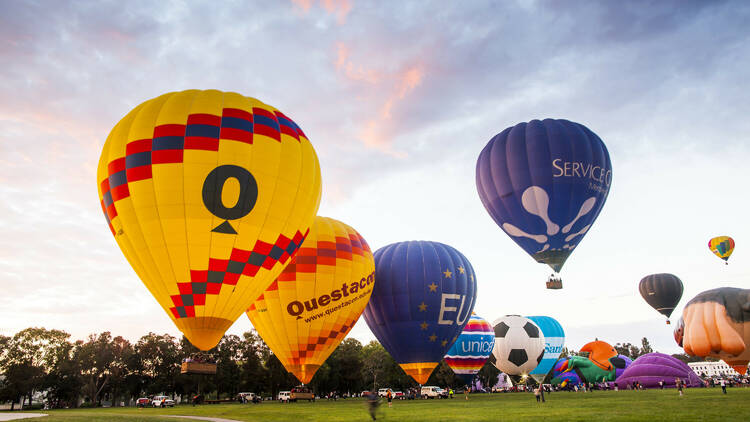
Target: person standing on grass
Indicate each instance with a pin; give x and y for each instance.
(466, 392)
(537, 395)
(678, 383)
(389, 396)
(723, 386)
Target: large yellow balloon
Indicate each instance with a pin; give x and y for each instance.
(208, 194)
(317, 299)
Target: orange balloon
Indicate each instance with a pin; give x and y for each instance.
(600, 352)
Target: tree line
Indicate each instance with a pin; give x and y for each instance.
(106, 368)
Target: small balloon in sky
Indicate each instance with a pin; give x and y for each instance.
(722, 246)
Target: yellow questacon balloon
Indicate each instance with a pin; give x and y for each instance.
(208, 195)
(317, 299)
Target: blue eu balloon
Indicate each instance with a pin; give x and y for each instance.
(423, 296)
(544, 183)
(554, 341)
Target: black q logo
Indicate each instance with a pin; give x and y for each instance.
(213, 187)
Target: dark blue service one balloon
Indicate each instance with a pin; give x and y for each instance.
(544, 183)
(423, 296)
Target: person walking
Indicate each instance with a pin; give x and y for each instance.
(389, 396)
(723, 386)
(372, 403)
(466, 393)
(678, 383)
(537, 395)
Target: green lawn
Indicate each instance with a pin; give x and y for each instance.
(655, 405)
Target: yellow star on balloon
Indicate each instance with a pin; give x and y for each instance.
(447, 273)
(443, 343)
(424, 326)
(433, 337)
(422, 307)
(433, 287)
(461, 270)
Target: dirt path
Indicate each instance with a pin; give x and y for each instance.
(15, 416)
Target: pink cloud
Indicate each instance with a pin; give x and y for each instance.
(339, 8)
(387, 89)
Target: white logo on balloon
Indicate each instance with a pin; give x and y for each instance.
(536, 201)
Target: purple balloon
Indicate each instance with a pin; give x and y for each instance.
(651, 368)
(620, 371)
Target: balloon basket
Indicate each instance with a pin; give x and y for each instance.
(554, 284)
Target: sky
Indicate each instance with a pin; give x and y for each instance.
(398, 99)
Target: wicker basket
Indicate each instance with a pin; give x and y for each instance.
(198, 368)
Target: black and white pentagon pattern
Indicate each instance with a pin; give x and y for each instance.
(518, 357)
(531, 329)
(501, 330)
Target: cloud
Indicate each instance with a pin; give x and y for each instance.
(338, 8)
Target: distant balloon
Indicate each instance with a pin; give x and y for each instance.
(661, 291)
(208, 195)
(722, 246)
(423, 297)
(519, 345)
(317, 299)
(554, 341)
(716, 323)
(544, 183)
(472, 349)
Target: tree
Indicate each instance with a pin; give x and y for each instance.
(26, 355)
(443, 375)
(488, 375)
(646, 346)
(228, 355)
(96, 358)
(160, 361)
(63, 381)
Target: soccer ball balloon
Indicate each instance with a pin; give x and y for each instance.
(519, 345)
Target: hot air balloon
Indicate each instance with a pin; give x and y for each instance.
(554, 341)
(519, 345)
(424, 295)
(208, 194)
(544, 183)
(600, 353)
(722, 246)
(650, 369)
(716, 323)
(661, 291)
(472, 349)
(317, 299)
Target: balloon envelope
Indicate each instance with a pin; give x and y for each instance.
(544, 183)
(554, 341)
(519, 345)
(317, 299)
(661, 291)
(722, 246)
(471, 349)
(423, 297)
(599, 352)
(652, 368)
(208, 195)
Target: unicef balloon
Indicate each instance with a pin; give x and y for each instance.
(317, 299)
(662, 291)
(554, 341)
(208, 194)
(423, 297)
(544, 183)
(722, 246)
(519, 345)
(472, 349)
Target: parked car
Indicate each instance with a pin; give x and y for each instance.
(247, 397)
(284, 396)
(143, 402)
(383, 392)
(399, 395)
(442, 393)
(162, 401)
(430, 392)
(301, 392)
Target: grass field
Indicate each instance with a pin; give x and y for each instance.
(649, 405)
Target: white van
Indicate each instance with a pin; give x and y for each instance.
(285, 396)
(430, 392)
(383, 392)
